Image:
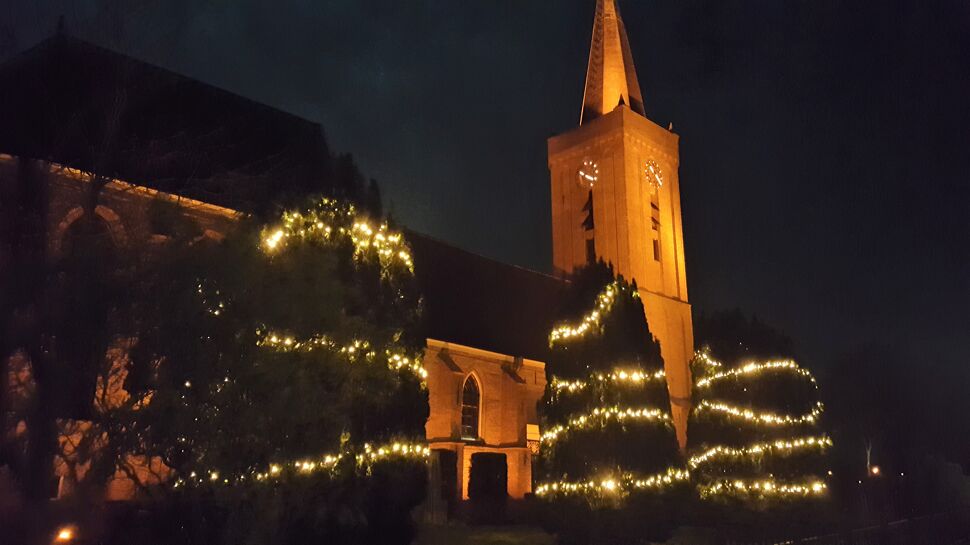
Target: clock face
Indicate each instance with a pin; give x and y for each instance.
(652, 174)
(589, 173)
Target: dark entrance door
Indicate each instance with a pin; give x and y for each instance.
(488, 484)
(448, 466)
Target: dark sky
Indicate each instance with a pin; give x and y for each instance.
(825, 144)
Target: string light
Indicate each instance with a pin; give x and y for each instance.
(634, 377)
(355, 350)
(603, 415)
(610, 486)
(756, 487)
(761, 417)
(212, 300)
(763, 488)
(754, 368)
(593, 320)
(703, 356)
(326, 463)
(330, 222)
(757, 449)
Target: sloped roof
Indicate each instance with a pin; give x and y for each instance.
(78, 104)
(611, 77)
(482, 303)
(184, 136)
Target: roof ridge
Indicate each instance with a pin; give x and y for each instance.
(65, 37)
(441, 242)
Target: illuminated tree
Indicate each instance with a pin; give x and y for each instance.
(286, 382)
(755, 430)
(756, 451)
(609, 462)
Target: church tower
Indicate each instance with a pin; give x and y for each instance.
(616, 197)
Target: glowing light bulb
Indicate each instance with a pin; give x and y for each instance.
(65, 534)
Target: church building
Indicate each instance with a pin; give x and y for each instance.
(615, 196)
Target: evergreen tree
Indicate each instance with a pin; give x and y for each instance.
(734, 337)
(756, 450)
(609, 460)
(286, 393)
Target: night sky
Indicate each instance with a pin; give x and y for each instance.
(825, 144)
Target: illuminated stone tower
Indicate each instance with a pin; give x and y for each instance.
(616, 197)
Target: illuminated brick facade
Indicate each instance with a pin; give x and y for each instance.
(616, 197)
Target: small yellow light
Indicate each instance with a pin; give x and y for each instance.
(874, 470)
(64, 534)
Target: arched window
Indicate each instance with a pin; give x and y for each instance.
(103, 233)
(91, 239)
(470, 404)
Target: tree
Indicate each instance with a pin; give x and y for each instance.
(60, 315)
(286, 393)
(756, 452)
(733, 337)
(609, 462)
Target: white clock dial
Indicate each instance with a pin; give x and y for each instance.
(589, 173)
(652, 174)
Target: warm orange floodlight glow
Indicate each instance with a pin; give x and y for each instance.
(874, 470)
(64, 535)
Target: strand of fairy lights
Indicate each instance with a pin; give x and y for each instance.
(767, 418)
(617, 376)
(593, 320)
(311, 226)
(601, 416)
(329, 462)
(354, 350)
(754, 368)
(331, 221)
(615, 485)
(781, 445)
(763, 487)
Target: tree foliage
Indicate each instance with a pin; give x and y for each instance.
(227, 404)
(733, 336)
(756, 448)
(592, 471)
(60, 314)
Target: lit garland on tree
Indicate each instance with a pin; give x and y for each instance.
(759, 449)
(767, 418)
(609, 432)
(325, 463)
(332, 222)
(601, 416)
(613, 486)
(621, 377)
(354, 351)
(359, 263)
(592, 321)
(754, 454)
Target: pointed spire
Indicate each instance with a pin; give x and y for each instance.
(611, 78)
